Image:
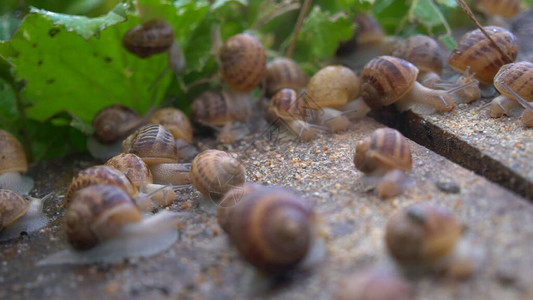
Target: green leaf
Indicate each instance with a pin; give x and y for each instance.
(8, 24)
(86, 27)
(449, 3)
(64, 72)
(220, 3)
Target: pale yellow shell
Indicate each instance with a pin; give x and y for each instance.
(332, 86)
(12, 156)
(12, 206)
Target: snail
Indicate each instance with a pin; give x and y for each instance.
(384, 157)
(283, 73)
(137, 171)
(426, 234)
(374, 284)
(272, 228)
(497, 11)
(220, 111)
(18, 215)
(288, 110)
(111, 125)
(386, 80)
(13, 162)
(512, 80)
(110, 176)
(104, 225)
(243, 62)
(478, 53)
(423, 52)
(527, 114)
(215, 172)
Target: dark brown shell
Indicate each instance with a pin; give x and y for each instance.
(230, 200)
(374, 284)
(504, 8)
(175, 121)
(153, 37)
(272, 228)
(332, 86)
(115, 122)
(12, 206)
(153, 143)
(97, 213)
(135, 169)
(423, 232)
(386, 79)
(287, 105)
(214, 172)
(384, 150)
(518, 76)
(422, 51)
(12, 155)
(220, 108)
(283, 73)
(98, 175)
(243, 62)
(367, 31)
(478, 52)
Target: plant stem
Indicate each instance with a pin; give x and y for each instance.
(26, 141)
(299, 23)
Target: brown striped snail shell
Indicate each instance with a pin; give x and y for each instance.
(387, 79)
(115, 122)
(504, 8)
(283, 73)
(98, 175)
(517, 76)
(422, 233)
(153, 143)
(386, 149)
(243, 62)
(214, 172)
(153, 37)
(478, 52)
(287, 105)
(220, 108)
(135, 169)
(374, 284)
(272, 228)
(96, 214)
(232, 198)
(12, 206)
(367, 31)
(175, 121)
(12, 155)
(332, 86)
(423, 52)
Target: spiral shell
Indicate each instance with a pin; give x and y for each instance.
(374, 284)
(478, 52)
(386, 79)
(214, 172)
(504, 8)
(422, 233)
(153, 37)
(272, 228)
(284, 73)
(135, 169)
(422, 51)
(97, 213)
(12, 156)
(12, 206)
(220, 108)
(287, 105)
(518, 77)
(98, 175)
(232, 198)
(367, 31)
(153, 143)
(243, 62)
(114, 122)
(175, 121)
(384, 150)
(332, 86)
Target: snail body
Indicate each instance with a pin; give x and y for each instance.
(272, 228)
(104, 225)
(243, 62)
(478, 53)
(386, 80)
(283, 73)
(386, 155)
(215, 172)
(19, 215)
(374, 284)
(13, 162)
(423, 52)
